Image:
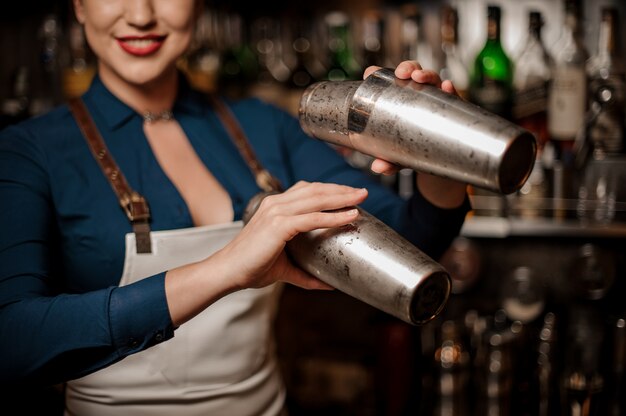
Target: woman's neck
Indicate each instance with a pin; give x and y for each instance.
(153, 96)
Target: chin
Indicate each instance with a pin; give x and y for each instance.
(145, 75)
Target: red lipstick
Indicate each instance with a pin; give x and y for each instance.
(141, 45)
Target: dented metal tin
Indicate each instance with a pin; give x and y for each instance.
(421, 127)
(371, 262)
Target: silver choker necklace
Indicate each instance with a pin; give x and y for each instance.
(150, 117)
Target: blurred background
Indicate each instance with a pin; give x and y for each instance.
(536, 323)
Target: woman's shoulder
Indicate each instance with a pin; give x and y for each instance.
(49, 124)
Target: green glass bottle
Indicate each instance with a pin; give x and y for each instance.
(491, 82)
(342, 65)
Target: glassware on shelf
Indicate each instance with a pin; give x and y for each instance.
(592, 273)
(607, 86)
(523, 295)
(616, 400)
(463, 261)
(597, 193)
(546, 369)
(452, 368)
(582, 380)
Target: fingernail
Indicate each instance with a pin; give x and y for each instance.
(352, 212)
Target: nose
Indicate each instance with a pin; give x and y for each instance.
(140, 13)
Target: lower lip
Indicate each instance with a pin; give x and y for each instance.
(143, 50)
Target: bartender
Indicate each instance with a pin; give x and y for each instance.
(125, 271)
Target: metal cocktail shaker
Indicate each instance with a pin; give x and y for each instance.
(371, 262)
(419, 126)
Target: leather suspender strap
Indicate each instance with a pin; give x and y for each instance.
(133, 204)
(264, 179)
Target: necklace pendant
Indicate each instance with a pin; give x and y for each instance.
(150, 117)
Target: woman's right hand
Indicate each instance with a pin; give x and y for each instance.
(256, 257)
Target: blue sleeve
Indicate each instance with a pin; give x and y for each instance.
(428, 227)
(47, 334)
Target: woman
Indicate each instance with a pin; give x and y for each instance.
(187, 327)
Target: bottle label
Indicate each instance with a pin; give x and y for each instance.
(567, 103)
(531, 100)
(493, 96)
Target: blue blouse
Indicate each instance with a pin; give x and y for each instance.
(62, 230)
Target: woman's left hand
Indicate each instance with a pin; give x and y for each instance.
(442, 192)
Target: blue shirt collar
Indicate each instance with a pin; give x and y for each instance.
(116, 113)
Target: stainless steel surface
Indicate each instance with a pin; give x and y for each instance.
(421, 127)
(371, 262)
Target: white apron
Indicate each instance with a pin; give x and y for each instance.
(221, 362)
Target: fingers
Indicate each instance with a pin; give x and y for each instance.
(306, 197)
(406, 68)
(426, 77)
(369, 70)
(383, 167)
(300, 278)
(317, 220)
(448, 87)
(306, 207)
(413, 70)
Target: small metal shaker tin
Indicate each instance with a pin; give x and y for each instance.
(369, 261)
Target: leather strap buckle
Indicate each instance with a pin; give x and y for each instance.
(135, 207)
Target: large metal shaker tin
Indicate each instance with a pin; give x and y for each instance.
(421, 127)
(371, 262)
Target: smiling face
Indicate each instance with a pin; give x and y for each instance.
(137, 41)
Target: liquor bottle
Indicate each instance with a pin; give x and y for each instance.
(16, 107)
(491, 81)
(49, 92)
(201, 64)
(267, 43)
(415, 45)
(372, 41)
(341, 63)
(239, 66)
(530, 102)
(567, 98)
(454, 66)
(530, 81)
(607, 87)
(307, 67)
(78, 73)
